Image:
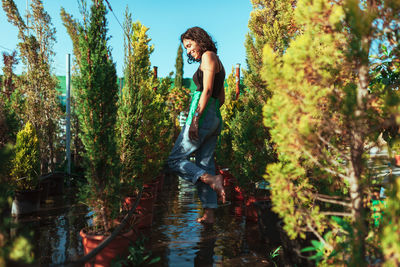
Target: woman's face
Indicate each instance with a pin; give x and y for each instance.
(192, 48)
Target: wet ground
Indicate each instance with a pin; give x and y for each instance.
(175, 236)
(179, 240)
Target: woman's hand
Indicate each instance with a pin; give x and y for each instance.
(194, 129)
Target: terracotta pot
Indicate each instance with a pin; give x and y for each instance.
(117, 247)
(144, 219)
(144, 209)
(397, 160)
(251, 209)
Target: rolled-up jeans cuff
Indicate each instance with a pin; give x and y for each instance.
(197, 176)
(210, 205)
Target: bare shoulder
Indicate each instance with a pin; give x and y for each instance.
(209, 61)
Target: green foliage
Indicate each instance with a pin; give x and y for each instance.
(230, 109)
(26, 165)
(321, 115)
(6, 156)
(10, 122)
(391, 220)
(144, 124)
(179, 68)
(10, 100)
(96, 108)
(38, 84)
(137, 256)
(273, 254)
(22, 250)
(250, 146)
(272, 23)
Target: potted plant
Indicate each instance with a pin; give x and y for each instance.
(25, 172)
(144, 129)
(96, 107)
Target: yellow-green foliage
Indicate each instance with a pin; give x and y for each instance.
(298, 114)
(178, 100)
(229, 110)
(38, 84)
(26, 165)
(391, 230)
(321, 116)
(21, 250)
(144, 124)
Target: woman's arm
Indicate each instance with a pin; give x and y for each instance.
(209, 65)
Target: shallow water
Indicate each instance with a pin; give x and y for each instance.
(180, 241)
(175, 236)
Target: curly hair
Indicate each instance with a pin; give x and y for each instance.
(202, 38)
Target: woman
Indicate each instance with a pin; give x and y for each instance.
(203, 125)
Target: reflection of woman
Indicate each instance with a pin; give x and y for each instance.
(200, 133)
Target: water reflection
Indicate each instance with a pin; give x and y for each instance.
(54, 231)
(180, 241)
(205, 247)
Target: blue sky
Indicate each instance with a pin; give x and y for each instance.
(225, 20)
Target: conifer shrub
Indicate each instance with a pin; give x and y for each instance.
(224, 150)
(26, 163)
(37, 84)
(144, 126)
(96, 99)
(324, 117)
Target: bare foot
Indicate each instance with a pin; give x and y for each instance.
(208, 217)
(216, 182)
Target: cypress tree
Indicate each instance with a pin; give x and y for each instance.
(72, 27)
(179, 68)
(271, 22)
(130, 106)
(96, 98)
(144, 125)
(38, 84)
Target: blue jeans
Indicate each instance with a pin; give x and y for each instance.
(179, 163)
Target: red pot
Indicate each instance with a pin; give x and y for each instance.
(397, 160)
(144, 219)
(117, 247)
(144, 209)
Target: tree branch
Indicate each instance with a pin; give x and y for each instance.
(333, 213)
(323, 140)
(323, 167)
(346, 204)
(320, 238)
